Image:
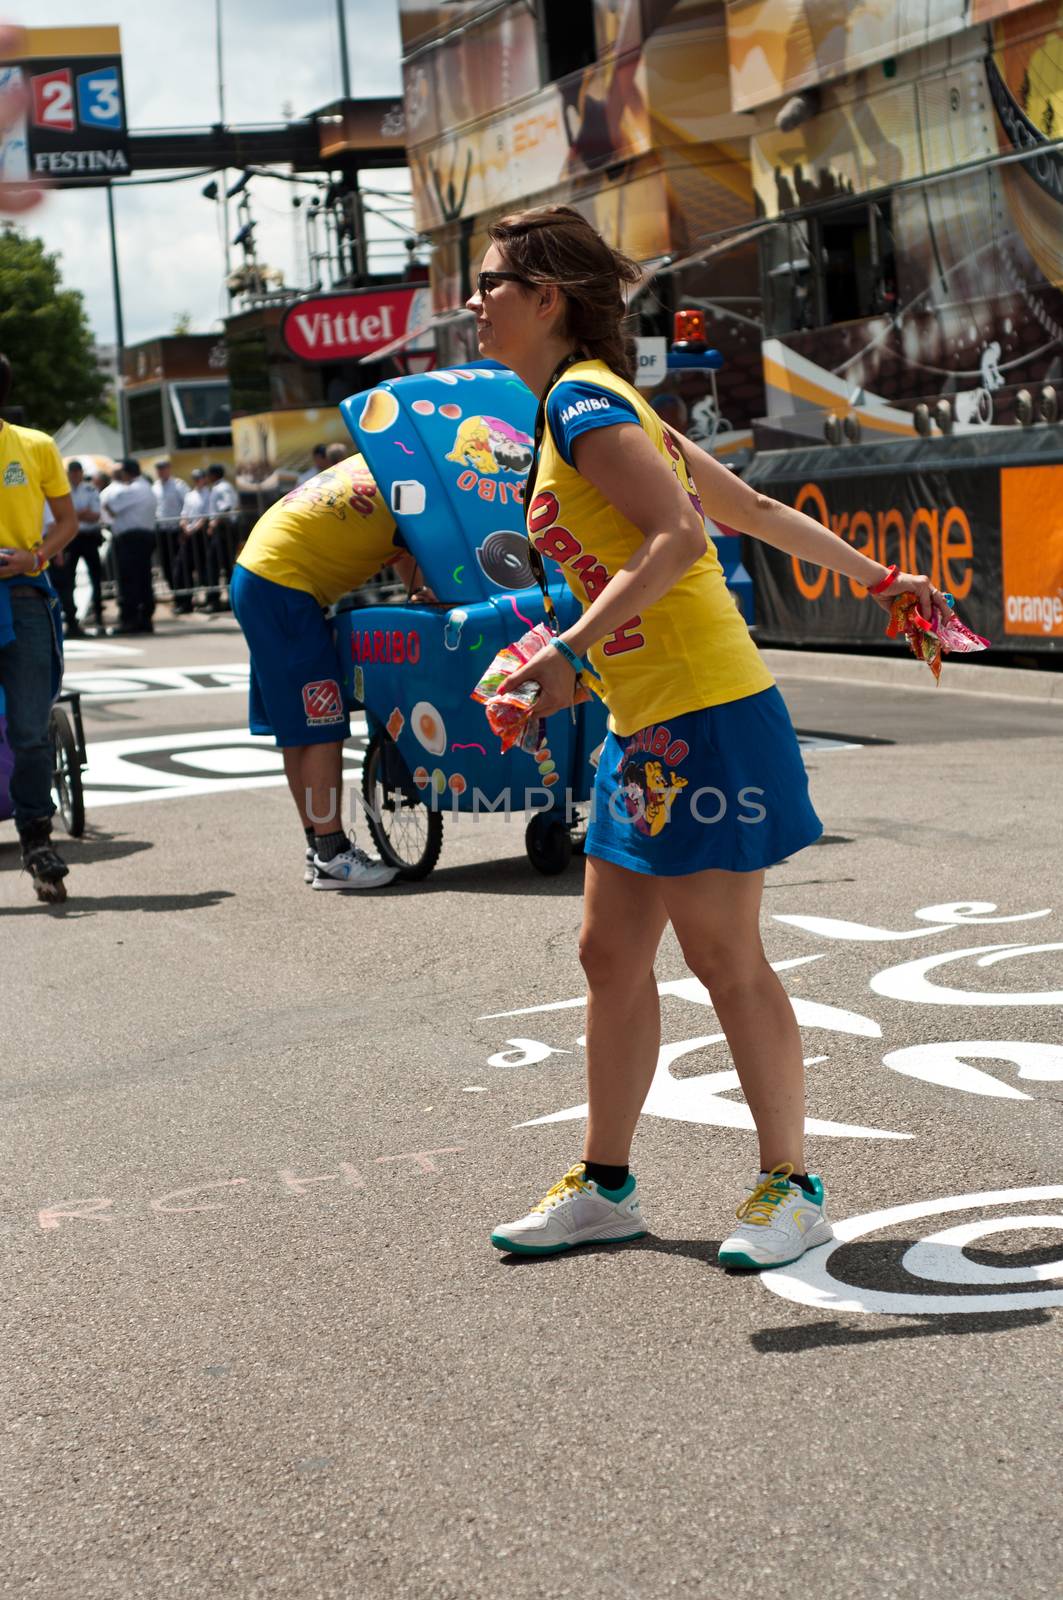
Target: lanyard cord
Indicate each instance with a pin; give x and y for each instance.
(535, 560)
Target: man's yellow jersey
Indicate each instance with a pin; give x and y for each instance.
(327, 536)
(31, 469)
(692, 648)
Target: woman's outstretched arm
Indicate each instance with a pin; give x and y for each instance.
(727, 499)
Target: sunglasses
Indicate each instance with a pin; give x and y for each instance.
(486, 281)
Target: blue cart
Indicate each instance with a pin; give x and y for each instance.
(450, 451)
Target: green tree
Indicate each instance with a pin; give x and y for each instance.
(46, 336)
(182, 323)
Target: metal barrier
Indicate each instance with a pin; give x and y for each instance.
(193, 568)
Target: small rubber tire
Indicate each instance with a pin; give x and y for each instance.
(411, 868)
(67, 788)
(548, 842)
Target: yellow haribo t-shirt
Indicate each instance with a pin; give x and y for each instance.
(327, 536)
(31, 469)
(692, 648)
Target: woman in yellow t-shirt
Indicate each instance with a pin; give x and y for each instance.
(700, 784)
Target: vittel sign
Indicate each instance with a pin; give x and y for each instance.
(340, 327)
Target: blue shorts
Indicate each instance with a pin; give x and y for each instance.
(295, 671)
(724, 787)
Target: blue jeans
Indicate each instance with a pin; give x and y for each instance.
(26, 679)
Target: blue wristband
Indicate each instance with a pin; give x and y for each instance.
(578, 665)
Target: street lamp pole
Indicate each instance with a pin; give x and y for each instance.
(119, 328)
(345, 65)
(223, 195)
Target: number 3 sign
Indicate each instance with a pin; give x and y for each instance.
(99, 99)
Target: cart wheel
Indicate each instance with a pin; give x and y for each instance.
(407, 833)
(67, 790)
(549, 845)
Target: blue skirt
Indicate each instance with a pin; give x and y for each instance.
(724, 787)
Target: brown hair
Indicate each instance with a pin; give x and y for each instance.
(554, 244)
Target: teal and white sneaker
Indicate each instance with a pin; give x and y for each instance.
(575, 1211)
(777, 1223)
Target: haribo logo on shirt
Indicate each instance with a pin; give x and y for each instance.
(490, 445)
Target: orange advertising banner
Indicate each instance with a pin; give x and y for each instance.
(1031, 535)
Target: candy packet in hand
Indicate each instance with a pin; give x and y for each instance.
(932, 641)
(511, 715)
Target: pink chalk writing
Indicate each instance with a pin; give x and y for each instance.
(180, 1194)
(90, 1210)
(347, 1176)
(423, 1158)
(190, 1201)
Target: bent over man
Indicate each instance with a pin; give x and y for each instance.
(328, 536)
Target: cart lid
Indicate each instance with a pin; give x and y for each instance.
(450, 451)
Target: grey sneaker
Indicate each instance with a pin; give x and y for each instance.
(352, 869)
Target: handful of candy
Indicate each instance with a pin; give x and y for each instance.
(932, 641)
(512, 715)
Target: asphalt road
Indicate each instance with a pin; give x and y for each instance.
(256, 1341)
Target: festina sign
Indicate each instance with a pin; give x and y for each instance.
(73, 128)
(345, 327)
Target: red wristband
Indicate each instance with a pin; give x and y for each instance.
(884, 583)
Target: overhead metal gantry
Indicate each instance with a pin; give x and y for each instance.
(350, 134)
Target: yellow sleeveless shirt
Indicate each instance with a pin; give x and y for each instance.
(692, 648)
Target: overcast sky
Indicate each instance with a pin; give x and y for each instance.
(276, 52)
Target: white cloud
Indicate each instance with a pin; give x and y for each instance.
(170, 250)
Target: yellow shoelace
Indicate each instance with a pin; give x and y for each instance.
(759, 1208)
(571, 1183)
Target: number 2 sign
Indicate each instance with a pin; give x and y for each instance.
(53, 101)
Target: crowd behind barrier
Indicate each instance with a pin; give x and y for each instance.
(199, 530)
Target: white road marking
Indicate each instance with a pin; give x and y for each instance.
(811, 1282)
(176, 766)
(138, 683)
(80, 649)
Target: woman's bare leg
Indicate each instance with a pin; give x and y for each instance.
(623, 919)
(716, 917)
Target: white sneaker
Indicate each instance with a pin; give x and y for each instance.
(308, 870)
(778, 1222)
(575, 1211)
(351, 869)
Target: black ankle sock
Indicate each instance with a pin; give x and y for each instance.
(309, 838)
(328, 845)
(606, 1177)
(803, 1180)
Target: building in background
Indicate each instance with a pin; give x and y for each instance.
(175, 396)
(866, 202)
